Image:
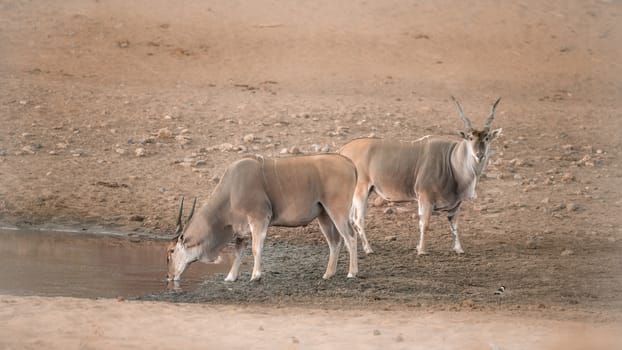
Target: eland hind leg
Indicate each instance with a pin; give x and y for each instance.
(359, 209)
(342, 223)
(334, 243)
(425, 211)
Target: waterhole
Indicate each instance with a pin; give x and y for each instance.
(80, 265)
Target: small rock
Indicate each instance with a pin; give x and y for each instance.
(249, 138)
(215, 179)
(283, 151)
(388, 211)
(399, 338)
(567, 252)
(546, 200)
(325, 149)
(572, 207)
(295, 340)
(599, 151)
(123, 44)
(531, 244)
(518, 177)
(164, 133)
(138, 218)
(200, 162)
(468, 303)
(260, 328)
(28, 149)
(376, 332)
(183, 139)
(379, 202)
(120, 151)
(517, 162)
(295, 150)
(61, 145)
(168, 117)
(390, 238)
(225, 147)
(568, 177)
(140, 152)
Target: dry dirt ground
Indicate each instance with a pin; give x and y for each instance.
(111, 111)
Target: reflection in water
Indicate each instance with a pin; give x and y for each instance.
(67, 264)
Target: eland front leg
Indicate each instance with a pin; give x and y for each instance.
(453, 225)
(240, 244)
(259, 230)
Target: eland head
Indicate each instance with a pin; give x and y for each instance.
(178, 256)
(478, 140)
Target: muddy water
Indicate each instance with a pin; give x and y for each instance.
(79, 265)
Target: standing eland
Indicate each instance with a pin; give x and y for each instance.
(438, 173)
(256, 193)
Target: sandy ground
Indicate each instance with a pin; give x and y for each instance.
(113, 110)
(37, 322)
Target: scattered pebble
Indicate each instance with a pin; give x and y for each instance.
(379, 202)
(376, 332)
(138, 218)
(572, 207)
(468, 303)
(568, 177)
(183, 139)
(140, 152)
(295, 150)
(531, 244)
(399, 338)
(120, 151)
(566, 252)
(389, 211)
(28, 149)
(249, 138)
(164, 133)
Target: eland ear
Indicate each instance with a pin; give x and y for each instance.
(494, 134)
(464, 135)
